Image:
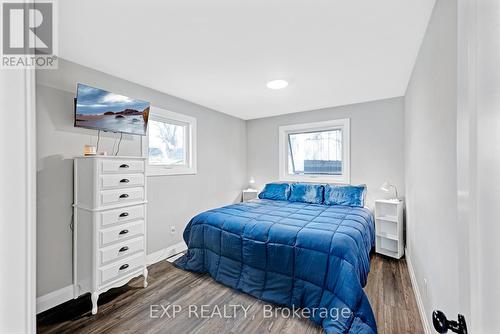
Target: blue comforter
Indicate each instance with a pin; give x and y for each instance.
(290, 253)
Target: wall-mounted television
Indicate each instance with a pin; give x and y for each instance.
(102, 110)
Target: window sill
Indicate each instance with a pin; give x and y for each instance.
(167, 171)
(316, 179)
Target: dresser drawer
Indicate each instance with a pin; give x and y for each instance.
(120, 269)
(110, 197)
(121, 250)
(110, 181)
(121, 232)
(122, 215)
(122, 166)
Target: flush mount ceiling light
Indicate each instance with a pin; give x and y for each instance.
(277, 84)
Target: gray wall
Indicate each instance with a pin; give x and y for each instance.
(376, 143)
(431, 163)
(173, 200)
(479, 160)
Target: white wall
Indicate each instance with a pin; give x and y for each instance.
(431, 164)
(376, 143)
(173, 200)
(17, 203)
(484, 74)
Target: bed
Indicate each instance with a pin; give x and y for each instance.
(290, 253)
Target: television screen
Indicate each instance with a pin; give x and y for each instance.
(101, 110)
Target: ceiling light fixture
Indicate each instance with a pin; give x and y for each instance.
(277, 84)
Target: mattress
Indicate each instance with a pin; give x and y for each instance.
(294, 254)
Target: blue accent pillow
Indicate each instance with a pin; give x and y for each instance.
(345, 195)
(276, 191)
(307, 193)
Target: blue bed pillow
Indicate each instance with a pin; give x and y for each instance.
(345, 195)
(276, 191)
(307, 193)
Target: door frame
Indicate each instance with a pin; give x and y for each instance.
(19, 172)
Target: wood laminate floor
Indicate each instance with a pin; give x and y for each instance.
(127, 309)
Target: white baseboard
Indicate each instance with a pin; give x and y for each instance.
(416, 291)
(54, 298)
(165, 253)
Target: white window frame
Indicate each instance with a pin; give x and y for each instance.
(342, 124)
(158, 114)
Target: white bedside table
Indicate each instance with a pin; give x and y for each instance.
(389, 228)
(249, 194)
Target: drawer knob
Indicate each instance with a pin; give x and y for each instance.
(124, 214)
(123, 195)
(124, 166)
(123, 249)
(124, 181)
(122, 232)
(125, 266)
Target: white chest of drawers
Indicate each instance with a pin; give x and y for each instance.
(109, 233)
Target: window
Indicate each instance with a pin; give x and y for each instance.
(170, 143)
(315, 152)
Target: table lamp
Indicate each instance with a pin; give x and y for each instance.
(386, 186)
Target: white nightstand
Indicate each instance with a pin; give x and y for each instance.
(249, 194)
(389, 228)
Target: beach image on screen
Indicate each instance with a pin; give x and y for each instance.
(102, 110)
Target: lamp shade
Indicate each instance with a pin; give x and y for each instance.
(386, 186)
(252, 180)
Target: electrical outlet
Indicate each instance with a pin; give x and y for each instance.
(172, 229)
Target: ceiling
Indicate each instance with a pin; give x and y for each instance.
(220, 54)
